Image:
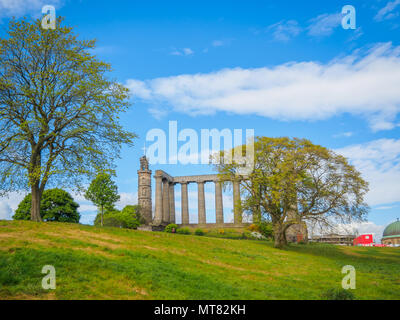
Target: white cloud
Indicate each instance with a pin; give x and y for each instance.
(347, 134)
(182, 52)
(354, 228)
(379, 162)
(386, 12)
(285, 30)
(187, 51)
(5, 211)
(220, 43)
(13, 199)
(126, 199)
(324, 24)
(385, 207)
(139, 88)
(367, 227)
(363, 83)
(356, 34)
(18, 8)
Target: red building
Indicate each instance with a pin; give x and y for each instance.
(364, 240)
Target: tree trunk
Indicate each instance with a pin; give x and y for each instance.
(257, 215)
(35, 204)
(279, 236)
(101, 215)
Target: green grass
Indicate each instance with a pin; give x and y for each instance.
(109, 263)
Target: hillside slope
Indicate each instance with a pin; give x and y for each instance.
(108, 263)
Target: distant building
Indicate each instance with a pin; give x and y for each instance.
(335, 239)
(365, 240)
(391, 234)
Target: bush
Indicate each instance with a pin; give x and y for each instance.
(171, 226)
(128, 218)
(265, 228)
(253, 227)
(183, 231)
(199, 232)
(338, 294)
(55, 205)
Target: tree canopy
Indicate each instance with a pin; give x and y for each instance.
(103, 192)
(59, 110)
(294, 180)
(56, 205)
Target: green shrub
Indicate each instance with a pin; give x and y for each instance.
(171, 226)
(183, 231)
(128, 218)
(265, 228)
(338, 294)
(199, 232)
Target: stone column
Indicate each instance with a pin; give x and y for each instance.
(201, 203)
(159, 210)
(165, 201)
(184, 205)
(237, 212)
(219, 211)
(172, 203)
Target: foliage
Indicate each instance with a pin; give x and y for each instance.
(59, 111)
(183, 231)
(103, 192)
(128, 218)
(199, 232)
(134, 211)
(236, 234)
(56, 205)
(171, 226)
(295, 181)
(266, 229)
(253, 227)
(338, 294)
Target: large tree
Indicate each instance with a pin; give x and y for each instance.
(295, 181)
(59, 110)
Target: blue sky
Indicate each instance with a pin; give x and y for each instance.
(282, 68)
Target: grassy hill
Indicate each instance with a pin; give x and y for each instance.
(108, 263)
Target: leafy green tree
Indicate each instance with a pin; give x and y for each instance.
(129, 218)
(59, 111)
(103, 192)
(295, 181)
(56, 205)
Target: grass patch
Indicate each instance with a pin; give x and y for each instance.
(113, 263)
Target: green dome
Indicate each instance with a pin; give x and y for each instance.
(392, 229)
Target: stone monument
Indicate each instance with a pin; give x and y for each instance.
(144, 190)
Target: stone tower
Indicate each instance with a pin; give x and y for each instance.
(298, 231)
(144, 190)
